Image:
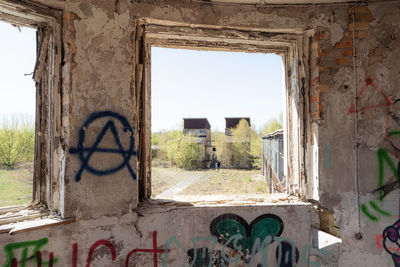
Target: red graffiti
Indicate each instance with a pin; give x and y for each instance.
(355, 108)
(99, 244)
(379, 244)
(75, 255)
(155, 251)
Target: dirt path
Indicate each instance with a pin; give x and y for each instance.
(178, 188)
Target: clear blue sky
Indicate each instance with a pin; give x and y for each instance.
(215, 85)
(184, 83)
(17, 57)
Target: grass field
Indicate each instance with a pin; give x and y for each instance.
(16, 185)
(221, 181)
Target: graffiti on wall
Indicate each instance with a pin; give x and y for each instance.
(372, 209)
(390, 239)
(34, 246)
(85, 153)
(238, 242)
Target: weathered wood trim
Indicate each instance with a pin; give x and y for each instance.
(47, 75)
(294, 52)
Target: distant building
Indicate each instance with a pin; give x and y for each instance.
(231, 123)
(200, 128)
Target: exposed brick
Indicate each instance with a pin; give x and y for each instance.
(313, 63)
(315, 115)
(322, 69)
(359, 9)
(347, 52)
(378, 51)
(358, 17)
(314, 98)
(362, 34)
(324, 52)
(368, 17)
(342, 61)
(322, 88)
(314, 47)
(348, 36)
(362, 9)
(322, 36)
(344, 44)
(359, 26)
(314, 81)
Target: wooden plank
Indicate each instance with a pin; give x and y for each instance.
(40, 224)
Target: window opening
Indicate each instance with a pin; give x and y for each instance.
(17, 114)
(211, 114)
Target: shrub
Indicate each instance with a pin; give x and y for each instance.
(190, 153)
(17, 141)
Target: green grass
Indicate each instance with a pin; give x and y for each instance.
(222, 181)
(16, 185)
(225, 181)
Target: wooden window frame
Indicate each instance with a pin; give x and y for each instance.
(49, 155)
(294, 47)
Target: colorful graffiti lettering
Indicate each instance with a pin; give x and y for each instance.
(85, 153)
(382, 154)
(239, 241)
(35, 245)
(391, 234)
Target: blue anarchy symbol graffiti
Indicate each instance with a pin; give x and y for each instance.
(85, 153)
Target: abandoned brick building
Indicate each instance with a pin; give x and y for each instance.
(231, 123)
(342, 113)
(201, 129)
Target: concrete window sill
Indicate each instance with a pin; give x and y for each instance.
(20, 219)
(165, 205)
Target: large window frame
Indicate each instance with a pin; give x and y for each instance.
(294, 48)
(49, 154)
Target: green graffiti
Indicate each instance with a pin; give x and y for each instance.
(364, 210)
(383, 157)
(36, 245)
(394, 133)
(381, 211)
(228, 225)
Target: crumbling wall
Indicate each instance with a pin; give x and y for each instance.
(351, 123)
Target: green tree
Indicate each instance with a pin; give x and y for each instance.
(17, 141)
(172, 145)
(241, 140)
(256, 150)
(155, 139)
(190, 153)
(271, 126)
(224, 148)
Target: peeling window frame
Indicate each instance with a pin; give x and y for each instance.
(49, 155)
(293, 46)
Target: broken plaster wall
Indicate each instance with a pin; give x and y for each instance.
(100, 74)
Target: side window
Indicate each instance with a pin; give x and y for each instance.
(17, 114)
(31, 149)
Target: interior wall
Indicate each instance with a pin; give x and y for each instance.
(349, 134)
